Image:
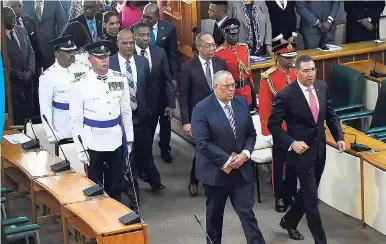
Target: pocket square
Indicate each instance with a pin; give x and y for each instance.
(32, 33)
(164, 38)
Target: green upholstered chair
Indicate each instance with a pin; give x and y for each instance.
(24, 231)
(346, 89)
(377, 127)
(14, 221)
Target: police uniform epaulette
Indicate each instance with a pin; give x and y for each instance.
(116, 73)
(220, 48)
(268, 72)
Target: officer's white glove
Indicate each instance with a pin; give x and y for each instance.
(129, 146)
(83, 157)
(52, 138)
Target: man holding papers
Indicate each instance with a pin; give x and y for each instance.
(224, 134)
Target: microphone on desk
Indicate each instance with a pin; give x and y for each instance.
(62, 165)
(96, 189)
(32, 144)
(376, 74)
(206, 233)
(357, 147)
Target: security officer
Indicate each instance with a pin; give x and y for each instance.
(101, 114)
(236, 56)
(272, 81)
(54, 89)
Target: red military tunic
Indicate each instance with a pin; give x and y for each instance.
(237, 60)
(272, 81)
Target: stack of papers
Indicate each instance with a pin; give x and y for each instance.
(331, 47)
(257, 59)
(17, 138)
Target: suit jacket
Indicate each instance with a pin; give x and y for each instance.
(50, 25)
(215, 140)
(143, 81)
(218, 34)
(25, 61)
(357, 10)
(235, 10)
(291, 106)
(311, 11)
(82, 19)
(33, 34)
(283, 21)
(167, 39)
(193, 87)
(161, 88)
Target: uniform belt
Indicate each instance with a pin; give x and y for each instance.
(242, 83)
(62, 106)
(102, 124)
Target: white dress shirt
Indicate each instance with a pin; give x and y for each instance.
(307, 94)
(147, 54)
(221, 21)
(155, 30)
(21, 22)
(8, 33)
(122, 65)
(203, 65)
(245, 151)
(42, 4)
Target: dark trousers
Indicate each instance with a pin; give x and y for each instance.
(22, 101)
(283, 188)
(165, 130)
(242, 198)
(106, 168)
(130, 178)
(193, 178)
(142, 154)
(306, 201)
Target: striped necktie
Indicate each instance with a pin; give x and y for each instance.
(231, 118)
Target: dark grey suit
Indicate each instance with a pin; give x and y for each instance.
(50, 26)
(312, 11)
(21, 62)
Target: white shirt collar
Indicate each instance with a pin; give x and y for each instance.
(303, 87)
(222, 21)
(223, 104)
(8, 32)
(155, 26)
(122, 59)
(138, 49)
(203, 61)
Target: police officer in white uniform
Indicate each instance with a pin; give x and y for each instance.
(54, 88)
(101, 114)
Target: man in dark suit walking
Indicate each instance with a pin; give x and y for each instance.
(161, 81)
(305, 105)
(22, 62)
(90, 19)
(195, 84)
(137, 71)
(50, 19)
(224, 134)
(163, 34)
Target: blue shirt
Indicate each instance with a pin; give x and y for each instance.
(92, 26)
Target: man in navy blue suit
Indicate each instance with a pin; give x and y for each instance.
(224, 134)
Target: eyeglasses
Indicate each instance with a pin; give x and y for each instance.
(228, 86)
(309, 71)
(210, 45)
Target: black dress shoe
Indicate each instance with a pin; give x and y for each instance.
(279, 206)
(193, 189)
(165, 155)
(157, 188)
(293, 233)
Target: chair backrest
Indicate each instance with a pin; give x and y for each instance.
(346, 86)
(68, 147)
(37, 127)
(256, 123)
(379, 116)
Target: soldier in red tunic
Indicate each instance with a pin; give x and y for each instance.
(274, 80)
(236, 56)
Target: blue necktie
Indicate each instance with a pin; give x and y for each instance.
(152, 37)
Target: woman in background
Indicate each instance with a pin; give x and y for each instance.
(81, 39)
(131, 12)
(110, 30)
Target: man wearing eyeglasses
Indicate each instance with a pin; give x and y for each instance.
(195, 84)
(304, 105)
(236, 56)
(224, 134)
(272, 81)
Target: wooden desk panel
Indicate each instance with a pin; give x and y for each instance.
(365, 66)
(377, 159)
(67, 188)
(101, 214)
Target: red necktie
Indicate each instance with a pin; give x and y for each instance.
(313, 104)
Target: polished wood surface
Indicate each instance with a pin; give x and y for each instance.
(66, 188)
(101, 214)
(377, 159)
(33, 163)
(365, 66)
(362, 138)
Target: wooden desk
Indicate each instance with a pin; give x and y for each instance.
(365, 66)
(23, 167)
(97, 219)
(56, 191)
